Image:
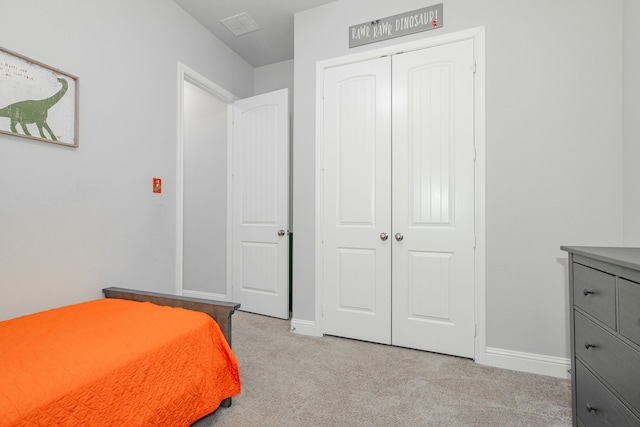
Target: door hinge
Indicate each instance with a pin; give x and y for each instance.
(475, 330)
(474, 67)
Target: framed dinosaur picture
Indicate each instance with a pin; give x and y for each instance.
(37, 101)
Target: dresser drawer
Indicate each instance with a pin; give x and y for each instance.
(615, 361)
(595, 293)
(597, 406)
(629, 305)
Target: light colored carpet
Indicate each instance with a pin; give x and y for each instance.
(293, 380)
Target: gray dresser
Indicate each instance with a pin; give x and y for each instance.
(605, 335)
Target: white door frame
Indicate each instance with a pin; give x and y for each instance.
(187, 74)
(478, 36)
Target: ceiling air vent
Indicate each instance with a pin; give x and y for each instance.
(240, 24)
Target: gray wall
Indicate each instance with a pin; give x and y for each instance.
(553, 148)
(274, 77)
(75, 220)
(631, 121)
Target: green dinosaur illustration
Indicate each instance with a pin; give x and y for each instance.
(33, 111)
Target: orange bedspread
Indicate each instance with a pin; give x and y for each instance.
(113, 362)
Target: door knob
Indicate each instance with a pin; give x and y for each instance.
(282, 233)
(384, 236)
(399, 236)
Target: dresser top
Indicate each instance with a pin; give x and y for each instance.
(625, 257)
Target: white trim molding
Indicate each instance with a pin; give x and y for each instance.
(305, 327)
(528, 362)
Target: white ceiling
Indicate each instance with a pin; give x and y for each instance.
(272, 43)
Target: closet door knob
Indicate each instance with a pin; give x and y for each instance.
(587, 292)
(399, 236)
(384, 236)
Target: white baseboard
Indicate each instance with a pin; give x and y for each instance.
(305, 327)
(527, 362)
(204, 295)
(499, 358)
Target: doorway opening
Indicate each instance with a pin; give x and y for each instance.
(203, 188)
(232, 196)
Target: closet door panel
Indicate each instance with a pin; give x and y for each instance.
(433, 199)
(357, 201)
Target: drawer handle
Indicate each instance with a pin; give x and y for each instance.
(591, 408)
(588, 345)
(587, 292)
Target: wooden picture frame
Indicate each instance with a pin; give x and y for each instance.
(37, 101)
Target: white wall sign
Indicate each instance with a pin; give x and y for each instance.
(418, 20)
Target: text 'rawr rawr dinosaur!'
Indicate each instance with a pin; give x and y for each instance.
(428, 18)
(36, 101)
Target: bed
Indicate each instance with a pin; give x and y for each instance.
(134, 358)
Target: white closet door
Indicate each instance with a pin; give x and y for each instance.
(261, 204)
(433, 199)
(357, 201)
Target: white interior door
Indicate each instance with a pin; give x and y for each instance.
(261, 204)
(357, 201)
(433, 199)
(415, 185)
